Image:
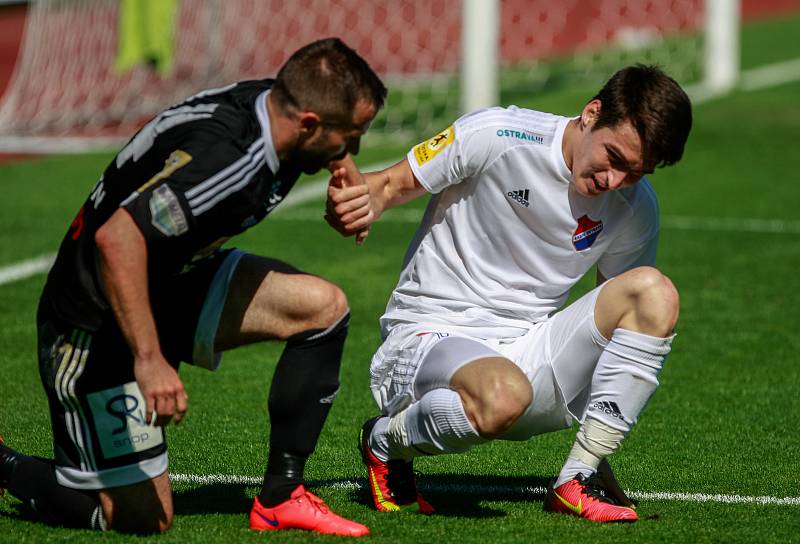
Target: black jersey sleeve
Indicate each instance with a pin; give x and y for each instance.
(203, 167)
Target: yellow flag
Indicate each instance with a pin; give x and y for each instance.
(146, 34)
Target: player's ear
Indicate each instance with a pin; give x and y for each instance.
(590, 113)
(309, 121)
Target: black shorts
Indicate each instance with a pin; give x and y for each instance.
(101, 438)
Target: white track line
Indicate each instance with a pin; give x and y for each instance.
(495, 490)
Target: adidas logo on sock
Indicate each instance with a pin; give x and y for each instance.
(608, 407)
(521, 196)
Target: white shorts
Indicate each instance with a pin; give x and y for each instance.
(558, 356)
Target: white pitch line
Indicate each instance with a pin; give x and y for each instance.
(731, 224)
(316, 189)
(27, 268)
(753, 79)
(312, 189)
(770, 75)
(678, 222)
(497, 490)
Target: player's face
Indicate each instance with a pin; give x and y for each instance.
(607, 159)
(334, 140)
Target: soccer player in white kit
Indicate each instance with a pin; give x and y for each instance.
(475, 345)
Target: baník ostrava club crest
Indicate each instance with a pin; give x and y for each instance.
(586, 233)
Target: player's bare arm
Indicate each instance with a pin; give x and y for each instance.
(123, 266)
(348, 209)
(393, 187)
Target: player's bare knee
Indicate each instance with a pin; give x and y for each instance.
(337, 305)
(324, 305)
(138, 519)
(143, 508)
(654, 299)
(503, 399)
(141, 525)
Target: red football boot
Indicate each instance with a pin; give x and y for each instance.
(303, 510)
(586, 497)
(393, 484)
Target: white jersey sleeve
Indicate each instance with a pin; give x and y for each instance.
(459, 152)
(637, 242)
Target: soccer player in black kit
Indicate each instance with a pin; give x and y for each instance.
(141, 283)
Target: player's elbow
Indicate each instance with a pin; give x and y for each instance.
(114, 232)
(103, 238)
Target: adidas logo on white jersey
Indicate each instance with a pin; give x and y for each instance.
(521, 196)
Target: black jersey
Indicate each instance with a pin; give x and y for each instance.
(195, 175)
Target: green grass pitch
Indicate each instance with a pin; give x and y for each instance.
(723, 422)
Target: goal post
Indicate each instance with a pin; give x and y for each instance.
(480, 54)
(481, 58)
(721, 61)
(439, 59)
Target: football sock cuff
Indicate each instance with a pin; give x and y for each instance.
(438, 424)
(572, 468)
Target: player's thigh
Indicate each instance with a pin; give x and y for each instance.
(268, 299)
(453, 361)
(493, 390)
(145, 507)
(396, 376)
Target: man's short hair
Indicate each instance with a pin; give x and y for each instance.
(657, 107)
(328, 78)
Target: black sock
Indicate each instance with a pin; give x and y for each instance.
(284, 473)
(305, 383)
(33, 481)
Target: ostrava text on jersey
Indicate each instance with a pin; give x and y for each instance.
(195, 175)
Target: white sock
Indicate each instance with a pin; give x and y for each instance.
(625, 378)
(433, 425)
(571, 469)
(377, 441)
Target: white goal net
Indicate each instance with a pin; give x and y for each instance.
(89, 70)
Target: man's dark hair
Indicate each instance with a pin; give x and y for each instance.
(657, 107)
(328, 78)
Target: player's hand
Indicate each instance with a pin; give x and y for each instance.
(162, 389)
(347, 208)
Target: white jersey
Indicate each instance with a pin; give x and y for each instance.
(506, 236)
